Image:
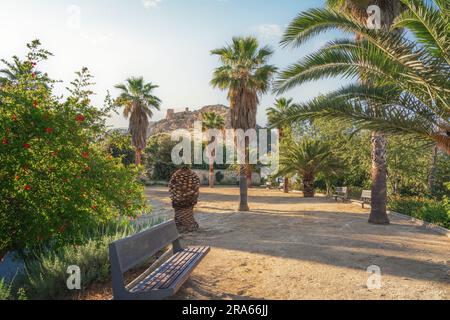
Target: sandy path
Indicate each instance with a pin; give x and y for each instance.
(289, 247)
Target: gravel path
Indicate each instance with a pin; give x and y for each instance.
(289, 247)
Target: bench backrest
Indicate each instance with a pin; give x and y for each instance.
(342, 190)
(366, 194)
(137, 248)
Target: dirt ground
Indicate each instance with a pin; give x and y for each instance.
(289, 247)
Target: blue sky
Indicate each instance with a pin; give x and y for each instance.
(166, 41)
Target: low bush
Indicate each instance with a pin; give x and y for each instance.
(432, 211)
(7, 292)
(45, 273)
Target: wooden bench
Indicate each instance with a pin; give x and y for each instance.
(165, 276)
(342, 193)
(366, 197)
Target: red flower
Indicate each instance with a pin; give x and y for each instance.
(26, 146)
(85, 155)
(33, 74)
(80, 118)
(27, 188)
(35, 103)
(5, 141)
(14, 117)
(49, 130)
(17, 178)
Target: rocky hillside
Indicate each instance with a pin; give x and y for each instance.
(185, 120)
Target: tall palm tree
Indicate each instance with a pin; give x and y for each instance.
(275, 116)
(307, 159)
(212, 121)
(246, 75)
(138, 101)
(349, 16)
(249, 168)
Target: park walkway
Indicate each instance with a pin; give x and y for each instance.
(289, 247)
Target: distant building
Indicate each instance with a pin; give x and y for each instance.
(186, 119)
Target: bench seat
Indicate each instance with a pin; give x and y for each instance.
(168, 271)
(341, 193)
(174, 272)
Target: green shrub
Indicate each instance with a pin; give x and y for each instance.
(432, 211)
(219, 177)
(45, 273)
(6, 292)
(56, 179)
(437, 213)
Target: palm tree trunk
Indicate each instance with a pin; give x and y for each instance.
(378, 214)
(243, 189)
(433, 172)
(308, 186)
(138, 157)
(211, 174)
(249, 177)
(185, 221)
(286, 185)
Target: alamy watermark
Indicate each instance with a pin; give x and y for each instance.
(374, 279)
(374, 17)
(74, 280)
(227, 147)
(74, 17)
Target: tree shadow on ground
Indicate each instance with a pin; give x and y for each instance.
(340, 239)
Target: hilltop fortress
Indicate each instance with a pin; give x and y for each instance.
(186, 119)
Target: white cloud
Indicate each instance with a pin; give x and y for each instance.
(151, 3)
(270, 31)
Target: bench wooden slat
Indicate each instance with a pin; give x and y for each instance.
(366, 197)
(165, 276)
(169, 273)
(175, 268)
(181, 276)
(155, 277)
(341, 192)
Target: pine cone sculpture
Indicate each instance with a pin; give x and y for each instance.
(184, 189)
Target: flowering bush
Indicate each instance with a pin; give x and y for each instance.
(56, 179)
(429, 210)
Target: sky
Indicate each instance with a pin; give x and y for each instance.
(168, 42)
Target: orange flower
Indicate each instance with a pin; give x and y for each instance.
(80, 118)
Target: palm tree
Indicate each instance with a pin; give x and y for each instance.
(348, 16)
(307, 159)
(249, 168)
(275, 116)
(138, 101)
(212, 121)
(245, 74)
